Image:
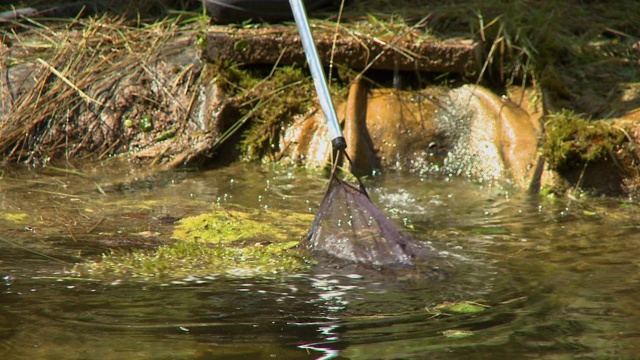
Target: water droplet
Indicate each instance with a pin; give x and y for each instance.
(8, 279)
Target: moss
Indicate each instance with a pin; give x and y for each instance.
(225, 242)
(235, 226)
(198, 259)
(272, 97)
(572, 141)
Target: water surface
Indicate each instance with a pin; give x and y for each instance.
(559, 278)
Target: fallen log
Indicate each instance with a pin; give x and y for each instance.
(281, 45)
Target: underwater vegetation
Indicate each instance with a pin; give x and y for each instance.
(227, 242)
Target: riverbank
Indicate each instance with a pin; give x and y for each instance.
(150, 89)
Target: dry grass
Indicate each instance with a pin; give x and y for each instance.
(82, 88)
(583, 54)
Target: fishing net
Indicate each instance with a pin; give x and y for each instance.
(348, 226)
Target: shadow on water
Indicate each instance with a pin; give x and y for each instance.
(555, 279)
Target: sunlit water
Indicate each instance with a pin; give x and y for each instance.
(559, 278)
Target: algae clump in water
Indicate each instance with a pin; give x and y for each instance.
(241, 226)
(226, 242)
(462, 307)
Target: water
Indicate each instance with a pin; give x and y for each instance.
(559, 279)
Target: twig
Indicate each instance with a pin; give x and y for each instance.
(96, 224)
(335, 39)
(68, 82)
(390, 45)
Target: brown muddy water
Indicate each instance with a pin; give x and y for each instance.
(557, 279)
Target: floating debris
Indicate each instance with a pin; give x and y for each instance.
(456, 333)
(462, 307)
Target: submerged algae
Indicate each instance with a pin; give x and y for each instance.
(197, 259)
(225, 242)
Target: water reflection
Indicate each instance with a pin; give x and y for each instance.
(559, 278)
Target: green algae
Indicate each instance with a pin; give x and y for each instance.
(225, 242)
(13, 217)
(235, 226)
(197, 259)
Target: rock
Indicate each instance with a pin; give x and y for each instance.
(467, 131)
(401, 127)
(492, 138)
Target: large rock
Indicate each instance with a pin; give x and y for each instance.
(467, 131)
(492, 137)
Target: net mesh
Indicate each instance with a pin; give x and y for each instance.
(348, 226)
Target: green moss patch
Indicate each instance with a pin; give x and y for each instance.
(243, 227)
(196, 259)
(573, 141)
(270, 98)
(225, 242)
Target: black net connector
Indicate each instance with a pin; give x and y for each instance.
(339, 143)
